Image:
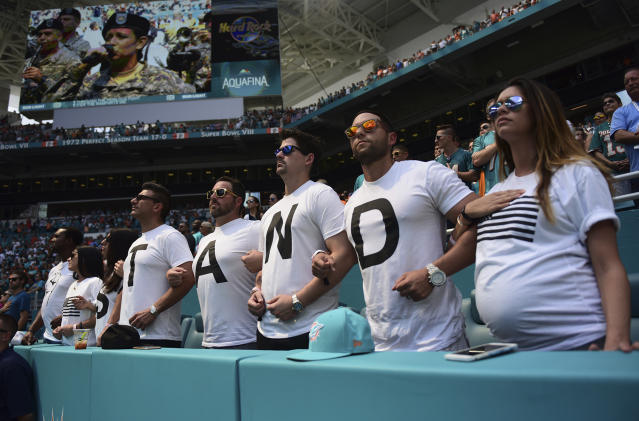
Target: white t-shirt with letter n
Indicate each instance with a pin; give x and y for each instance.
(144, 281)
(292, 230)
(397, 224)
(224, 284)
(87, 288)
(534, 281)
(55, 290)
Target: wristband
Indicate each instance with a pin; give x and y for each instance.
(473, 221)
(318, 252)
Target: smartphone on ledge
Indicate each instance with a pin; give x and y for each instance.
(480, 352)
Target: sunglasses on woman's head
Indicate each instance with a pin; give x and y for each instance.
(286, 150)
(219, 193)
(513, 103)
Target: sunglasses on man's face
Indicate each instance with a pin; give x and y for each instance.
(141, 197)
(368, 126)
(484, 127)
(219, 193)
(513, 103)
(287, 150)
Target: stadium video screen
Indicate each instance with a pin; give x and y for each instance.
(157, 51)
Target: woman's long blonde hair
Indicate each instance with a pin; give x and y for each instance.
(556, 145)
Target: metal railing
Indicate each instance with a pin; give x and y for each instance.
(629, 196)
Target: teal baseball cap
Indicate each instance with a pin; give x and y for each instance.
(337, 333)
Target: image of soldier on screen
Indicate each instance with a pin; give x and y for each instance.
(249, 34)
(130, 54)
(190, 56)
(45, 69)
(124, 71)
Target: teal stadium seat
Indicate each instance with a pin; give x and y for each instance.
(185, 326)
(476, 331)
(195, 333)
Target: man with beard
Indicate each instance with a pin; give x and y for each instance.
(306, 221)
(63, 242)
(395, 222)
(222, 281)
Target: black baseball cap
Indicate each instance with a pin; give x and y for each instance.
(120, 337)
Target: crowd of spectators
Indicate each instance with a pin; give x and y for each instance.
(253, 119)
(458, 33)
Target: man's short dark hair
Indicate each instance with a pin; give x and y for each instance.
(237, 187)
(21, 274)
(73, 234)
(401, 147)
(382, 117)
(449, 129)
(162, 194)
(306, 142)
(10, 323)
(611, 95)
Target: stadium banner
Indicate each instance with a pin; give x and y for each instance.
(149, 52)
(241, 79)
(140, 138)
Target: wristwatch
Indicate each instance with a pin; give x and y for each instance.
(436, 276)
(297, 304)
(153, 310)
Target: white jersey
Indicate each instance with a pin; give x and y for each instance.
(534, 280)
(292, 230)
(144, 281)
(55, 290)
(105, 304)
(87, 288)
(224, 284)
(396, 224)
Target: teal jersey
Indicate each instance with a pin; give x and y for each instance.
(491, 168)
(461, 161)
(602, 142)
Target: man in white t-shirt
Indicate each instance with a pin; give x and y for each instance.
(63, 242)
(396, 223)
(308, 218)
(222, 280)
(147, 301)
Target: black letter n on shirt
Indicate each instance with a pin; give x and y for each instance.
(284, 241)
(391, 227)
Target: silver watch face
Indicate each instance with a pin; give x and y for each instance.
(437, 278)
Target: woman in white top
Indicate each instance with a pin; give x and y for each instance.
(87, 267)
(115, 247)
(548, 274)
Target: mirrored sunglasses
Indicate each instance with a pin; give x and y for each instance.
(513, 103)
(368, 126)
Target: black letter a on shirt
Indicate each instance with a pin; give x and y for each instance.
(392, 232)
(284, 242)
